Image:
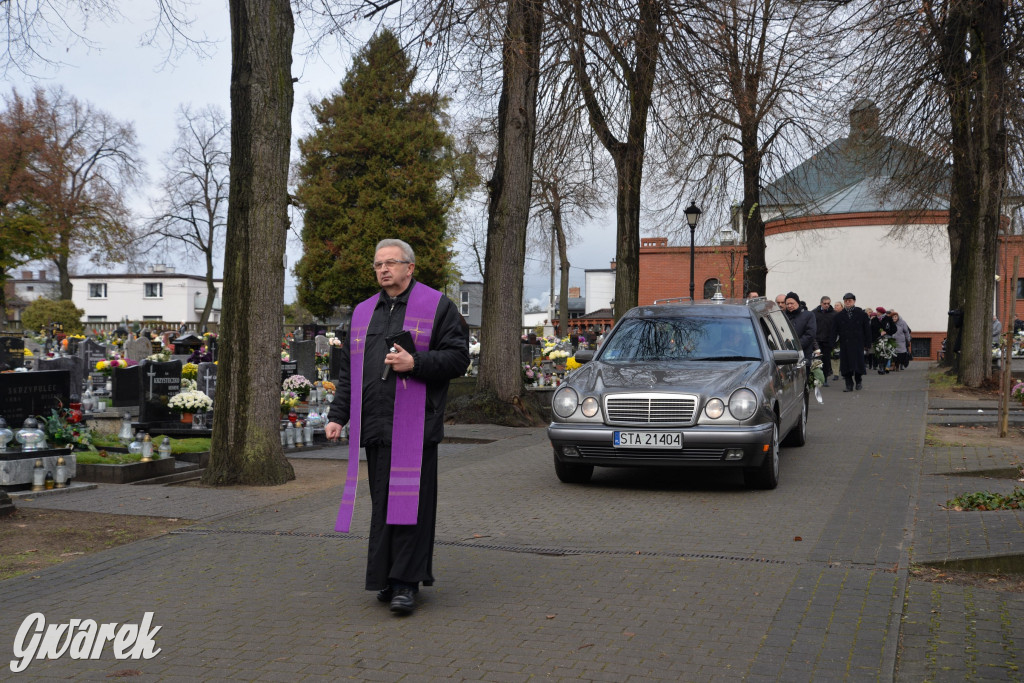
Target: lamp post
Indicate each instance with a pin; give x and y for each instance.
(692, 214)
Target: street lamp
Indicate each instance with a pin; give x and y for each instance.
(692, 214)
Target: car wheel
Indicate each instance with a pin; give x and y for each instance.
(798, 435)
(573, 474)
(767, 475)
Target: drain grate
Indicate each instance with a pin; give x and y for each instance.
(531, 550)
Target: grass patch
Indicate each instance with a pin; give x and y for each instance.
(98, 455)
(189, 445)
(942, 378)
(103, 457)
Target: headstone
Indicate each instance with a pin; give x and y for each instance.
(336, 358)
(26, 394)
(211, 345)
(126, 387)
(92, 353)
(312, 330)
(304, 355)
(72, 364)
(12, 352)
(207, 379)
(37, 353)
(323, 345)
(160, 381)
(138, 350)
(288, 368)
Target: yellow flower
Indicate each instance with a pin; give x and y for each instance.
(571, 364)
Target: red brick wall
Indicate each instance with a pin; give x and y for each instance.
(665, 271)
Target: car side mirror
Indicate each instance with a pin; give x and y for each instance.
(584, 356)
(785, 357)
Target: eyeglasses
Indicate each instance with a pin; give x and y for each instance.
(389, 264)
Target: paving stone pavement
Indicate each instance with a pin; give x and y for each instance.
(639, 575)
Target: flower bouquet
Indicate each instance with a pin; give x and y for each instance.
(162, 357)
(1017, 392)
(192, 401)
(190, 371)
(188, 384)
(816, 378)
(288, 402)
(107, 366)
(885, 348)
(298, 384)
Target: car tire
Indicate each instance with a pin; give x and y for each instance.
(798, 435)
(766, 476)
(573, 474)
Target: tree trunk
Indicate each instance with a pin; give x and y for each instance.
(629, 174)
(509, 206)
(757, 269)
(975, 71)
(60, 260)
(211, 288)
(563, 280)
(246, 446)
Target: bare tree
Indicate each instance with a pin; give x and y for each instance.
(192, 211)
(246, 447)
(952, 72)
(83, 174)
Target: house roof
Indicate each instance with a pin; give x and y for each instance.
(865, 171)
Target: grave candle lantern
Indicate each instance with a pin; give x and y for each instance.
(147, 448)
(30, 436)
(61, 477)
(38, 476)
(5, 435)
(165, 448)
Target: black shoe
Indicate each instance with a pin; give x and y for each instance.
(404, 601)
(385, 594)
(835, 377)
(881, 372)
(849, 386)
(825, 384)
(859, 386)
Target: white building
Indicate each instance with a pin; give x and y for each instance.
(600, 288)
(160, 294)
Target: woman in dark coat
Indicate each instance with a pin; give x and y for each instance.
(852, 332)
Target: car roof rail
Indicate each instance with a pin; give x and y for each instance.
(672, 300)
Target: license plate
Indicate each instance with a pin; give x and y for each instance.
(648, 440)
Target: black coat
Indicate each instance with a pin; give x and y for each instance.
(446, 357)
(805, 328)
(853, 333)
(823, 321)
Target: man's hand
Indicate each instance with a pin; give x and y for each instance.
(400, 361)
(332, 431)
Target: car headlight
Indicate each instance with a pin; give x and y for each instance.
(742, 404)
(715, 408)
(563, 403)
(590, 406)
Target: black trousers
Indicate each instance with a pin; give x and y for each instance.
(826, 359)
(399, 551)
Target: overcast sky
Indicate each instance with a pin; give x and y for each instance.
(133, 83)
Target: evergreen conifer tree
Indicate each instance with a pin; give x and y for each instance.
(378, 165)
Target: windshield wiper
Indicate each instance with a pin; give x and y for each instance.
(727, 358)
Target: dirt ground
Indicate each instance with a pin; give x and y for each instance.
(33, 539)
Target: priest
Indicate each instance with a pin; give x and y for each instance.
(405, 344)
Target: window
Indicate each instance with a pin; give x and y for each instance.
(152, 290)
(152, 317)
(97, 290)
(1020, 288)
(96, 318)
(464, 296)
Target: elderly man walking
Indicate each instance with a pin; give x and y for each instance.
(852, 331)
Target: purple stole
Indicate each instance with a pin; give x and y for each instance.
(409, 415)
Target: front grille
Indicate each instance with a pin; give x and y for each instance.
(650, 409)
(693, 454)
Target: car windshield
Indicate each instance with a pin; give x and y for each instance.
(689, 338)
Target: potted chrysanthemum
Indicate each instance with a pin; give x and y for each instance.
(298, 384)
(190, 402)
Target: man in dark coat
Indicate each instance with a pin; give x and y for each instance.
(803, 324)
(852, 331)
(398, 388)
(823, 315)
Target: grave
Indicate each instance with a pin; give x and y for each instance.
(288, 368)
(12, 352)
(206, 381)
(92, 353)
(323, 344)
(138, 350)
(160, 381)
(27, 394)
(126, 387)
(72, 364)
(16, 467)
(304, 356)
(37, 353)
(187, 344)
(336, 362)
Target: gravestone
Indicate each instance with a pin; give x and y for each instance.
(288, 368)
(160, 381)
(92, 353)
(304, 355)
(336, 360)
(74, 365)
(26, 394)
(138, 349)
(211, 346)
(12, 352)
(323, 344)
(126, 387)
(206, 381)
(37, 353)
(186, 344)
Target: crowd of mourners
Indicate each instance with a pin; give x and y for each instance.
(860, 339)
